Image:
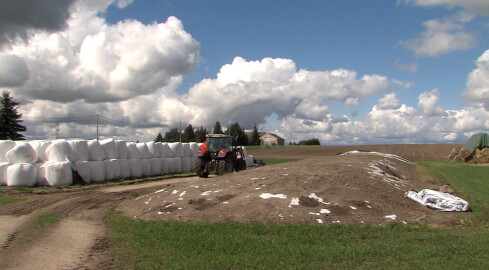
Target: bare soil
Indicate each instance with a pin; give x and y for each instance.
(321, 188)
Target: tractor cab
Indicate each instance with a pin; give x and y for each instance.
(218, 155)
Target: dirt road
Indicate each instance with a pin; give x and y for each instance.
(323, 188)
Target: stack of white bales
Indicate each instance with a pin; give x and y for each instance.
(49, 163)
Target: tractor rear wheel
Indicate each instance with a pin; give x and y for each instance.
(226, 165)
(200, 168)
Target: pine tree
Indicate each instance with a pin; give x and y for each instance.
(200, 134)
(159, 138)
(10, 119)
(236, 131)
(255, 136)
(188, 134)
(172, 136)
(218, 129)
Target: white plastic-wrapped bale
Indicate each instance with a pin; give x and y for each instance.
(164, 165)
(167, 152)
(192, 163)
(22, 153)
(175, 165)
(146, 167)
(161, 150)
(177, 149)
(133, 151)
(80, 147)
(95, 151)
(121, 149)
(97, 171)
(5, 146)
(40, 174)
(125, 169)
(186, 150)
(154, 149)
(136, 167)
(58, 173)
(40, 147)
(22, 174)
(249, 161)
(3, 173)
(194, 147)
(83, 169)
(112, 170)
(110, 148)
(155, 166)
(59, 150)
(143, 148)
(185, 164)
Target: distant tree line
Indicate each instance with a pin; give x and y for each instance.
(314, 141)
(190, 134)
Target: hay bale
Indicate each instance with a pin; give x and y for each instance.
(465, 153)
(458, 158)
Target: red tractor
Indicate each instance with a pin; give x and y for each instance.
(219, 155)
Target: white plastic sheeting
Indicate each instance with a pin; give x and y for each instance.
(40, 175)
(249, 161)
(80, 147)
(40, 147)
(154, 149)
(22, 153)
(146, 167)
(185, 164)
(143, 148)
(5, 146)
(167, 152)
(177, 149)
(164, 165)
(83, 169)
(136, 167)
(133, 151)
(110, 148)
(96, 151)
(155, 166)
(121, 149)
(58, 173)
(439, 200)
(194, 147)
(124, 167)
(97, 171)
(3, 173)
(112, 170)
(23, 174)
(59, 150)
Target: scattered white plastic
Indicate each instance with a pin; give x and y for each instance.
(315, 197)
(353, 207)
(182, 194)
(320, 221)
(294, 202)
(316, 214)
(336, 221)
(206, 193)
(175, 191)
(161, 190)
(438, 200)
(379, 154)
(391, 217)
(324, 211)
(269, 195)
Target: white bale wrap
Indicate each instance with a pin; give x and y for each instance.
(40, 147)
(22, 174)
(125, 169)
(83, 169)
(110, 148)
(143, 148)
(5, 146)
(80, 147)
(146, 167)
(175, 165)
(154, 149)
(164, 165)
(40, 175)
(97, 171)
(95, 151)
(185, 164)
(3, 173)
(177, 149)
(161, 149)
(155, 166)
(249, 161)
(121, 149)
(186, 150)
(194, 147)
(133, 151)
(59, 150)
(112, 170)
(136, 167)
(58, 173)
(167, 152)
(22, 153)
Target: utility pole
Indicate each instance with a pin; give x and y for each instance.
(97, 126)
(180, 131)
(57, 130)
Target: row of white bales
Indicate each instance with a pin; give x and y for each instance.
(50, 163)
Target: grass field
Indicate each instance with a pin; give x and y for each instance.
(165, 245)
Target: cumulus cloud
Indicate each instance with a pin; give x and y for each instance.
(428, 103)
(443, 37)
(389, 101)
(411, 67)
(478, 82)
(479, 6)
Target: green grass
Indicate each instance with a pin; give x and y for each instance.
(273, 161)
(8, 199)
(178, 245)
(46, 219)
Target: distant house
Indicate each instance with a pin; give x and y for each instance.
(271, 139)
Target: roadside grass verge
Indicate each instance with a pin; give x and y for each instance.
(178, 245)
(274, 161)
(9, 199)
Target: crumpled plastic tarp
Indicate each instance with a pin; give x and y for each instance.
(438, 200)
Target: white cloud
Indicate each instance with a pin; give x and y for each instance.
(428, 102)
(389, 101)
(442, 37)
(478, 82)
(479, 6)
(411, 67)
(402, 84)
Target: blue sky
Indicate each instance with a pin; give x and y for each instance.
(346, 72)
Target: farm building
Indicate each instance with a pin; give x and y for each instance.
(271, 139)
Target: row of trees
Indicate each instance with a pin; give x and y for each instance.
(314, 141)
(10, 119)
(198, 135)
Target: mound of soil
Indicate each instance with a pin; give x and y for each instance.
(362, 188)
